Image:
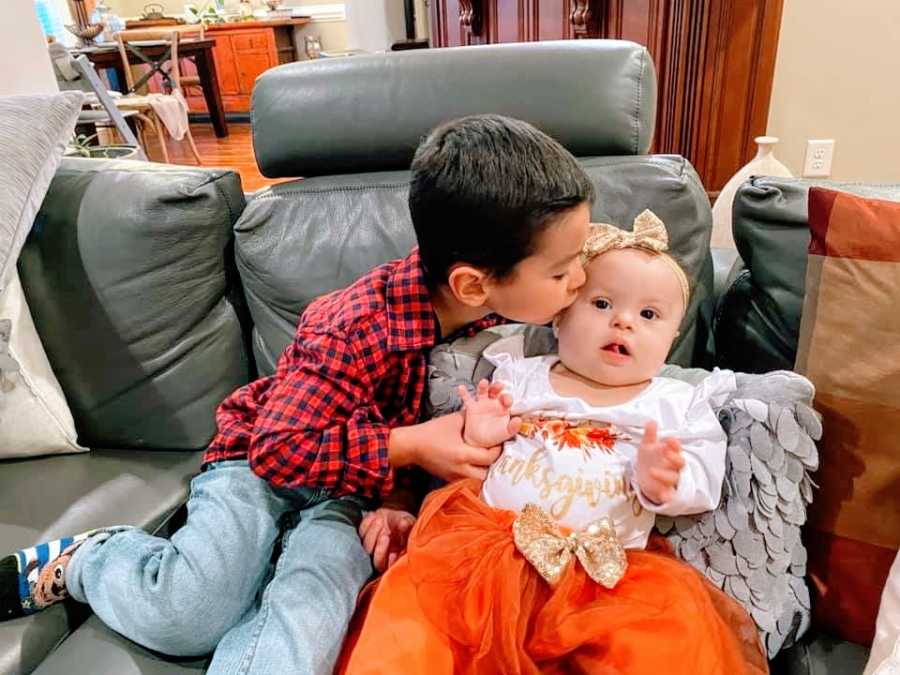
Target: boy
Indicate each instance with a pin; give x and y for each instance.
(501, 212)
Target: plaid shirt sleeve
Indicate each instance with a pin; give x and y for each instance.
(319, 427)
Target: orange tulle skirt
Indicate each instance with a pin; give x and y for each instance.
(463, 600)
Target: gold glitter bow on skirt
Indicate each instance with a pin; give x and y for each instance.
(543, 544)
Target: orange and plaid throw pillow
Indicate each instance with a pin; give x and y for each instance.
(850, 349)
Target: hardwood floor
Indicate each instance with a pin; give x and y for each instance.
(235, 151)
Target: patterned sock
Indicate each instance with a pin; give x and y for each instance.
(34, 578)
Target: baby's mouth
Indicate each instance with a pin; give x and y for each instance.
(617, 348)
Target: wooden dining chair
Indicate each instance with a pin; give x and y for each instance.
(101, 110)
(167, 66)
(193, 31)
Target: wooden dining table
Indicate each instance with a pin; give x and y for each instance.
(106, 55)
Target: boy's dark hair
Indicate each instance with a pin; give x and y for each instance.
(483, 187)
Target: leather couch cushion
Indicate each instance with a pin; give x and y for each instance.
(94, 649)
(49, 497)
(125, 274)
(368, 113)
(820, 654)
(758, 318)
(296, 241)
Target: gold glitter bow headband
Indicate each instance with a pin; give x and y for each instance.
(543, 544)
(648, 234)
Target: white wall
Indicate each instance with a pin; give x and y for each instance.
(837, 75)
(24, 62)
(374, 25)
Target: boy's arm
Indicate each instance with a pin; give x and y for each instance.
(320, 428)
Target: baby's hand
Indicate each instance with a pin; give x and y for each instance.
(488, 422)
(384, 534)
(658, 465)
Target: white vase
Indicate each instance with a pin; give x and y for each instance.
(764, 164)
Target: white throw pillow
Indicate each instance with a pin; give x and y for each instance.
(884, 658)
(34, 130)
(34, 133)
(34, 416)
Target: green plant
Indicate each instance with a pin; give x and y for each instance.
(82, 144)
(211, 11)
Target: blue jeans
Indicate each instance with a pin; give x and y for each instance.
(212, 587)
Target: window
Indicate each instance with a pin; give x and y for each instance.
(53, 16)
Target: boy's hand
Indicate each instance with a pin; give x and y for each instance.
(488, 420)
(438, 447)
(384, 534)
(658, 466)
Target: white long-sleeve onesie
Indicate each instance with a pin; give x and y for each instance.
(576, 461)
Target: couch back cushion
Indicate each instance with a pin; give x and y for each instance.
(850, 349)
(758, 319)
(125, 272)
(296, 241)
(368, 113)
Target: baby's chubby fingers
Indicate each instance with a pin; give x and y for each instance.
(495, 390)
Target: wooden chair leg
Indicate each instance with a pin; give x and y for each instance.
(190, 138)
(160, 132)
(142, 134)
(147, 123)
(136, 128)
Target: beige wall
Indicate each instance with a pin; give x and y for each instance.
(836, 76)
(332, 36)
(24, 62)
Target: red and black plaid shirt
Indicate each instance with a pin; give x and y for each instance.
(355, 369)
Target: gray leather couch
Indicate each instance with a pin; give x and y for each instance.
(157, 289)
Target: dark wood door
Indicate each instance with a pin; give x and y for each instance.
(715, 61)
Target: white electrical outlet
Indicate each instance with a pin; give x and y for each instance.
(819, 154)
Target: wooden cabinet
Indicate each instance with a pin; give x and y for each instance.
(241, 56)
(242, 53)
(715, 61)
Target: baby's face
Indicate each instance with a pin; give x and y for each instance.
(622, 324)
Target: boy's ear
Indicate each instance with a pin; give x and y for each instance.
(467, 284)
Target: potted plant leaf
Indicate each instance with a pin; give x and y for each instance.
(82, 146)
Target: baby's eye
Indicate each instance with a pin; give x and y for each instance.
(560, 277)
(649, 314)
(601, 304)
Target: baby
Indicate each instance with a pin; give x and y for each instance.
(599, 435)
(545, 567)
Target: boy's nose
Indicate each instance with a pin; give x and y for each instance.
(577, 278)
